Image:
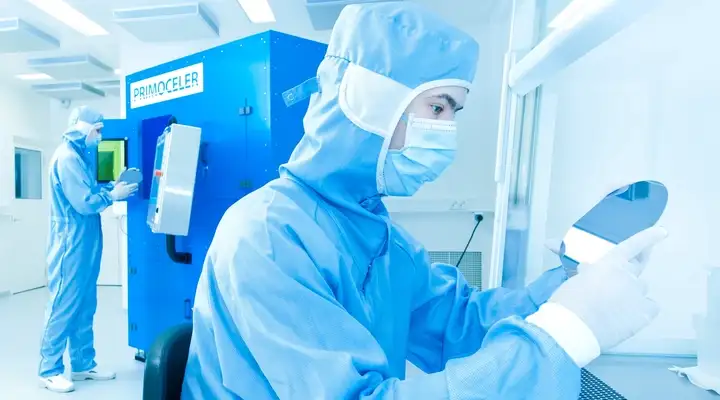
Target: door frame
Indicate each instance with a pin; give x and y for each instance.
(33, 145)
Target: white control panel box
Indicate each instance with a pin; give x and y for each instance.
(173, 186)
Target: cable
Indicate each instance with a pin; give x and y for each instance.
(478, 219)
(123, 218)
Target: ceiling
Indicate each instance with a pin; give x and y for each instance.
(291, 15)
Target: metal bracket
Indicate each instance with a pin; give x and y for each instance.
(140, 356)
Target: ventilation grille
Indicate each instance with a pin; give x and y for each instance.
(471, 265)
(595, 389)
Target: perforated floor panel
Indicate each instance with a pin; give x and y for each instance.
(595, 389)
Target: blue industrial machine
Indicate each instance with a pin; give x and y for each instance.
(205, 130)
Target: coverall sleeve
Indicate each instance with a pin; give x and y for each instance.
(108, 187)
(79, 189)
(308, 347)
(451, 318)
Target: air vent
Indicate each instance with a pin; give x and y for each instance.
(69, 91)
(110, 87)
(77, 67)
(168, 23)
(17, 36)
(324, 13)
(471, 265)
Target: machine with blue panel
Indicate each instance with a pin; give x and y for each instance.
(205, 130)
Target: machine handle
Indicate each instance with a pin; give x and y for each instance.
(178, 257)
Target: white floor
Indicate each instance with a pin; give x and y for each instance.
(21, 321)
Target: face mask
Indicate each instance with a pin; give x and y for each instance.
(430, 147)
(93, 139)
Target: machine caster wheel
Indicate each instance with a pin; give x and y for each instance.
(140, 356)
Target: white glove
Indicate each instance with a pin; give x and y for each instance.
(123, 190)
(608, 296)
(555, 245)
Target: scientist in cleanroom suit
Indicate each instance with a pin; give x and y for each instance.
(310, 291)
(74, 251)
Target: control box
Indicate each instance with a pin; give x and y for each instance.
(173, 183)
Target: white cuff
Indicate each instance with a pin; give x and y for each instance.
(569, 331)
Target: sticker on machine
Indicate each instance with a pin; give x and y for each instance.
(168, 86)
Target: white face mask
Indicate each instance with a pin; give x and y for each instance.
(430, 147)
(93, 138)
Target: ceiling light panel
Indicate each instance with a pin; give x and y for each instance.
(17, 36)
(69, 16)
(257, 11)
(33, 77)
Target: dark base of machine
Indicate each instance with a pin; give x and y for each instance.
(595, 389)
(140, 356)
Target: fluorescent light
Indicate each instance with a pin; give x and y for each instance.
(258, 11)
(69, 16)
(33, 77)
(578, 10)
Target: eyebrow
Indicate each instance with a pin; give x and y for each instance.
(451, 101)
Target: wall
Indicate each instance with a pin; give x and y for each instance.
(32, 121)
(25, 121)
(111, 107)
(645, 104)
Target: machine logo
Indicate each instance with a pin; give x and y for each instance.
(168, 86)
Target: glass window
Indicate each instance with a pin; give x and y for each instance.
(28, 174)
(112, 159)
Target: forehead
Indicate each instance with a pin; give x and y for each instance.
(456, 92)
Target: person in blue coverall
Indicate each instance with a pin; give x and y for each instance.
(310, 291)
(74, 251)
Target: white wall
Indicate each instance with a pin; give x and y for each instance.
(111, 107)
(645, 103)
(25, 121)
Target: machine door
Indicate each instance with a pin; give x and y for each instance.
(112, 158)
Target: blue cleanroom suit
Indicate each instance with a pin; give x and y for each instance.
(74, 248)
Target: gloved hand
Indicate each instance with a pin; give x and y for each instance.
(608, 296)
(557, 246)
(112, 184)
(123, 190)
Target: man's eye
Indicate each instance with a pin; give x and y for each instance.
(436, 109)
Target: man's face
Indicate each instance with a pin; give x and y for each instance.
(440, 103)
(95, 136)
